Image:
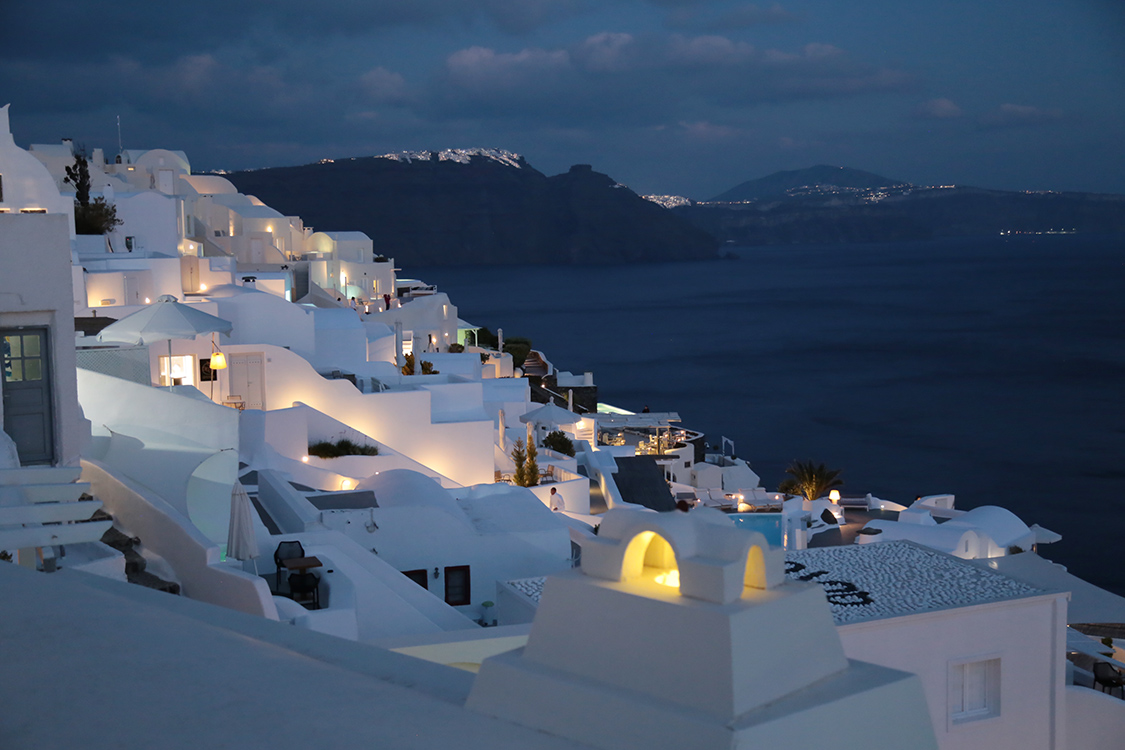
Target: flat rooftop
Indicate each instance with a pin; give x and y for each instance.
(891, 579)
(888, 579)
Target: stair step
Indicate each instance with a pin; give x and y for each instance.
(148, 580)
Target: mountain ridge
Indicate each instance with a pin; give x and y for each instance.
(478, 207)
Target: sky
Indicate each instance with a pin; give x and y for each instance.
(683, 97)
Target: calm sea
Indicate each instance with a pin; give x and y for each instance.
(990, 368)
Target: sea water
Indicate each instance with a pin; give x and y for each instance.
(993, 368)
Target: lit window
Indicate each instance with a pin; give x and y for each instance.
(457, 591)
(974, 690)
(182, 370)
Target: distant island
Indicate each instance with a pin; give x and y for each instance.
(826, 204)
(479, 207)
(490, 207)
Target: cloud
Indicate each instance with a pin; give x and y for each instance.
(383, 86)
(937, 109)
(1019, 115)
(648, 79)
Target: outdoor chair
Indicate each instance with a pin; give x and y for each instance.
(286, 551)
(304, 587)
(1109, 678)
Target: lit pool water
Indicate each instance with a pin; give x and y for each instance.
(769, 524)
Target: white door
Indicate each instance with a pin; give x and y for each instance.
(257, 250)
(166, 181)
(247, 379)
(133, 290)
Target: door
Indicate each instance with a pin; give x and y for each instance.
(167, 181)
(27, 393)
(132, 290)
(247, 380)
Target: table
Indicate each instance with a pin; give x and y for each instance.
(301, 564)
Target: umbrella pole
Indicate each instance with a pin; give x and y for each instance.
(169, 364)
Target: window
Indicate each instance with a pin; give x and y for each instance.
(457, 591)
(974, 690)
(1, 188)
(33, 210)
(418, 576)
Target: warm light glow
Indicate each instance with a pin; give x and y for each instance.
(148, 301)
(581, 424)
(669, 578)
(218, 361)
(346, 484)
(834, 496)
(305, 459)
(745, 507)
(269, 227)
(203, 287)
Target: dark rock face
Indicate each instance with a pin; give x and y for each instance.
(485, 212)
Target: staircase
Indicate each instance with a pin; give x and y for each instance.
(135, 563)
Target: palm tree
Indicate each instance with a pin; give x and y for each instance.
(809, 480)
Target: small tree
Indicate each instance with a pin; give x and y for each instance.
(531, 469)
(519, 456)
(557, 441)
(811, 481)
(90, 217)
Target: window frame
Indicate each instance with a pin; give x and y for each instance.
(958, 690)
(467, 596)
(420, 576)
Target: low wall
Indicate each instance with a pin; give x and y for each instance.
(289, 509)
(1094, 720)
(193, 558)
(575, 493)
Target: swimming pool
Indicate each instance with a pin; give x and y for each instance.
(769, 524)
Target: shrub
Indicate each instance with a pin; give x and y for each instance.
(456, 348)
(427, 367)
(558, 441)
(341, 447)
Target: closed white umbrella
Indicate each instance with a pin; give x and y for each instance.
(165, 320)
(242, 544)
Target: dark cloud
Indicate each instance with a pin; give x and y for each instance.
(719, 20)
(149, 31)
(649, 79)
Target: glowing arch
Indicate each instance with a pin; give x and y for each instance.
(648, 554)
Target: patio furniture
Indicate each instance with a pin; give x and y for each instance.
(286, 551)
(235, 401)
(301, 564)
(305, 587)
(1108, 677)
